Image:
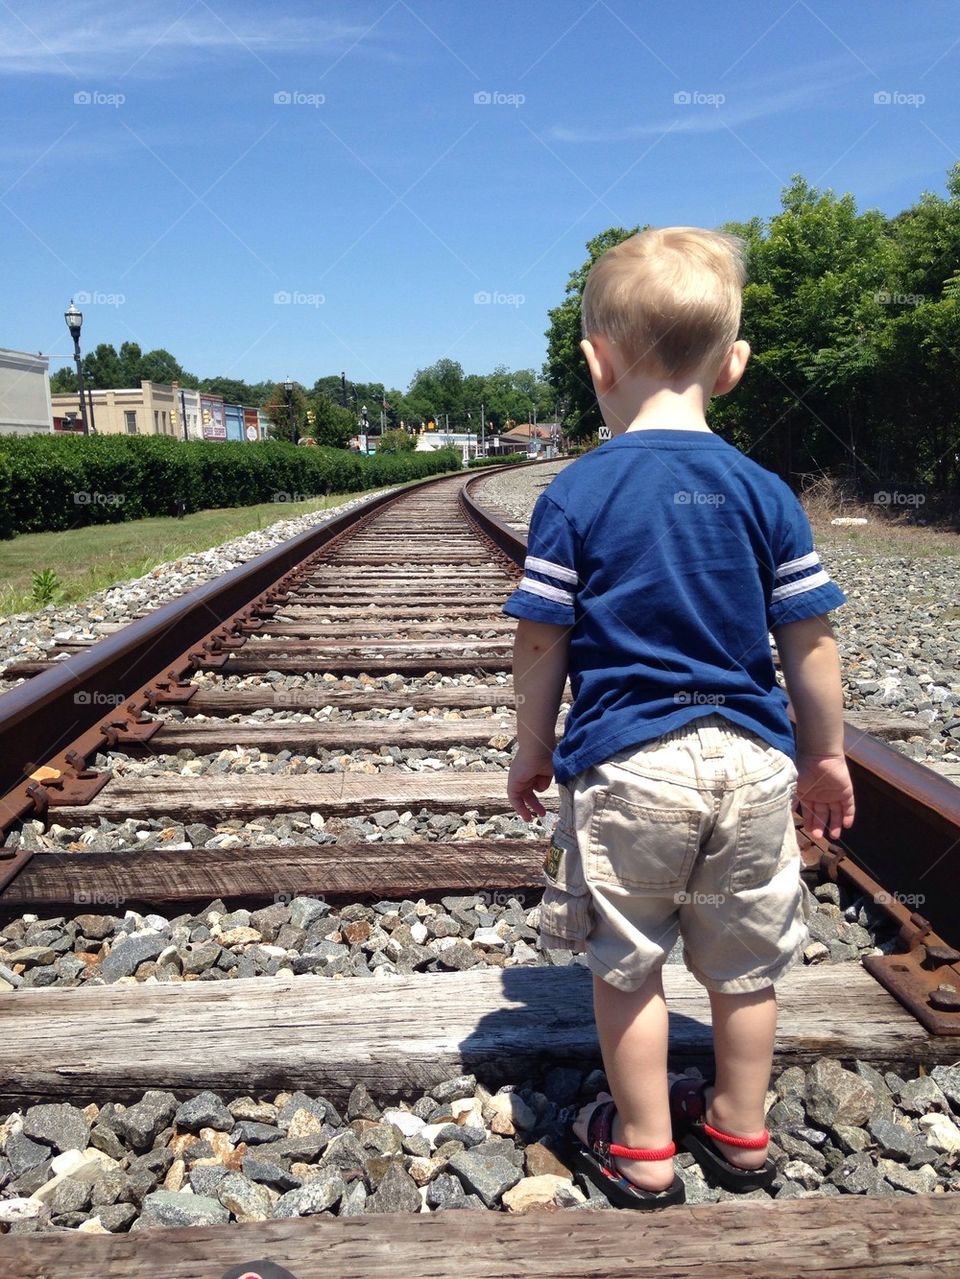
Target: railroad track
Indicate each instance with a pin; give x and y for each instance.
(362, 657)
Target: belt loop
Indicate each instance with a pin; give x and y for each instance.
(711, 739)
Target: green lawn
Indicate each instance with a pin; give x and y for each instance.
(87, 560)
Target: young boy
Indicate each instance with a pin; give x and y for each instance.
(657, 566)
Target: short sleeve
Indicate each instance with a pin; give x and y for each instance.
(548, 589)
(802, 587)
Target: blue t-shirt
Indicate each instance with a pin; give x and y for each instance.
(671, 555)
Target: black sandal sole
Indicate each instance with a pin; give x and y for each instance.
(620, 1195)
(721, 1172)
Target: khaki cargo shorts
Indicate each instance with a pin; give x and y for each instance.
(690, 835)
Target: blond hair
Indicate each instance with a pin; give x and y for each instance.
(669, 298)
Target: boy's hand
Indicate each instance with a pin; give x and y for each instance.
(529, 772)
(824, 794)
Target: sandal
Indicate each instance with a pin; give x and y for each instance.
(688, 1113)
(594, 1160)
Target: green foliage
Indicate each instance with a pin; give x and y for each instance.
(853, 323)
(46, 587)
(507, 460)
(396, 442)
(332, 424)
(63, 482)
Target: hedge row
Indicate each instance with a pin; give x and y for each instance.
(508, 458)
(61, 482)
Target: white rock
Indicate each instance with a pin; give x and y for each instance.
(19, 1209)
(407, 1122)
(419, 933)
(488, 937)
(941, 1132)
(92, 1226)
(533, 1192)
(509, 1106)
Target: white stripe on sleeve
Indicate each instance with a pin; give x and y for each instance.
(548, 592)
(796, 566)
(798, 588)
(562, 574)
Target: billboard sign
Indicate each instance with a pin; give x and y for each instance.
(211, 418)
(251, 425)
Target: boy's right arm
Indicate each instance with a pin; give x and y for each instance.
(811, 670)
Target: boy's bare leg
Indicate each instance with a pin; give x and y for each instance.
(744, 1027)
(632, 1026)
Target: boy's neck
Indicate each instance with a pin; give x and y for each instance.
(641, 406)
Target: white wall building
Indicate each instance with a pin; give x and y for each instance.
(24, 393)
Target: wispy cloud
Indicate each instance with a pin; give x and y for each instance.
(96, 37)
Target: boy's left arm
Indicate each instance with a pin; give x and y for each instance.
(539, 674)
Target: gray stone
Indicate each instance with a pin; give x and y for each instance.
(96, 927)
(947, 1078)
(397, 1192)
(24, 1154)
(179, 1208)
(424, 1108)
(254, 1134)
(488, 1176)
(696, 1188)
(384, 1138)
(316, 1196)
(851, 1139)
(882, 1099)
(117, 1217)
(444, 1191)
(109, 1187)
(344, 1152)
(361, 1105)
(857, 1175)
(102, 1137)
(458, 957)
(269, 1172)
(803, 1173)
(791, 1082)
(562, 1084)
(205, 1110)
(455, 1089)
(915, 1181)
(353, 1202)
(139, 1124)
(198, 957)
(129, 953)
(467, 1134)
(58, 1125)
(837, 1096)
(318, 1106)
(920, 1096)
(247, 1200)
(892, 1141)
(205, 1178)
(70, 1195)
(305, 911)
(795, 1149)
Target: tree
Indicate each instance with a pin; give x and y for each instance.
(333, 425)
(397, 442)
(277, 410)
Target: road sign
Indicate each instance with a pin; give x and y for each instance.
(604, 434)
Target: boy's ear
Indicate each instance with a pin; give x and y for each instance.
(732, 369)
(598, 362)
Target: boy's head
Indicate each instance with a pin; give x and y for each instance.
(667, 301)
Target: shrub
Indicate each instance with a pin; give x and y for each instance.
(507, 460)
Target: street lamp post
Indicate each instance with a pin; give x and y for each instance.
(74, 319)
(288, 387)
(343, 388)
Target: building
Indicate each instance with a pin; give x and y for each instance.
(538, 441)
(152, 408)
(25, 407)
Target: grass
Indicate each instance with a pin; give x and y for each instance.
(887, 532)
(90, 559)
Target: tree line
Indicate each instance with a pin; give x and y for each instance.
(855, 329)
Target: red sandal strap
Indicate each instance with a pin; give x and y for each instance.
(632, 1152)
(745, 1143)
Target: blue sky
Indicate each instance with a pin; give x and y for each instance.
(185, 166)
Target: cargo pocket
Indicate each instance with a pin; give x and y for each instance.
(566, 918)
(765, 838)
(640, 847)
